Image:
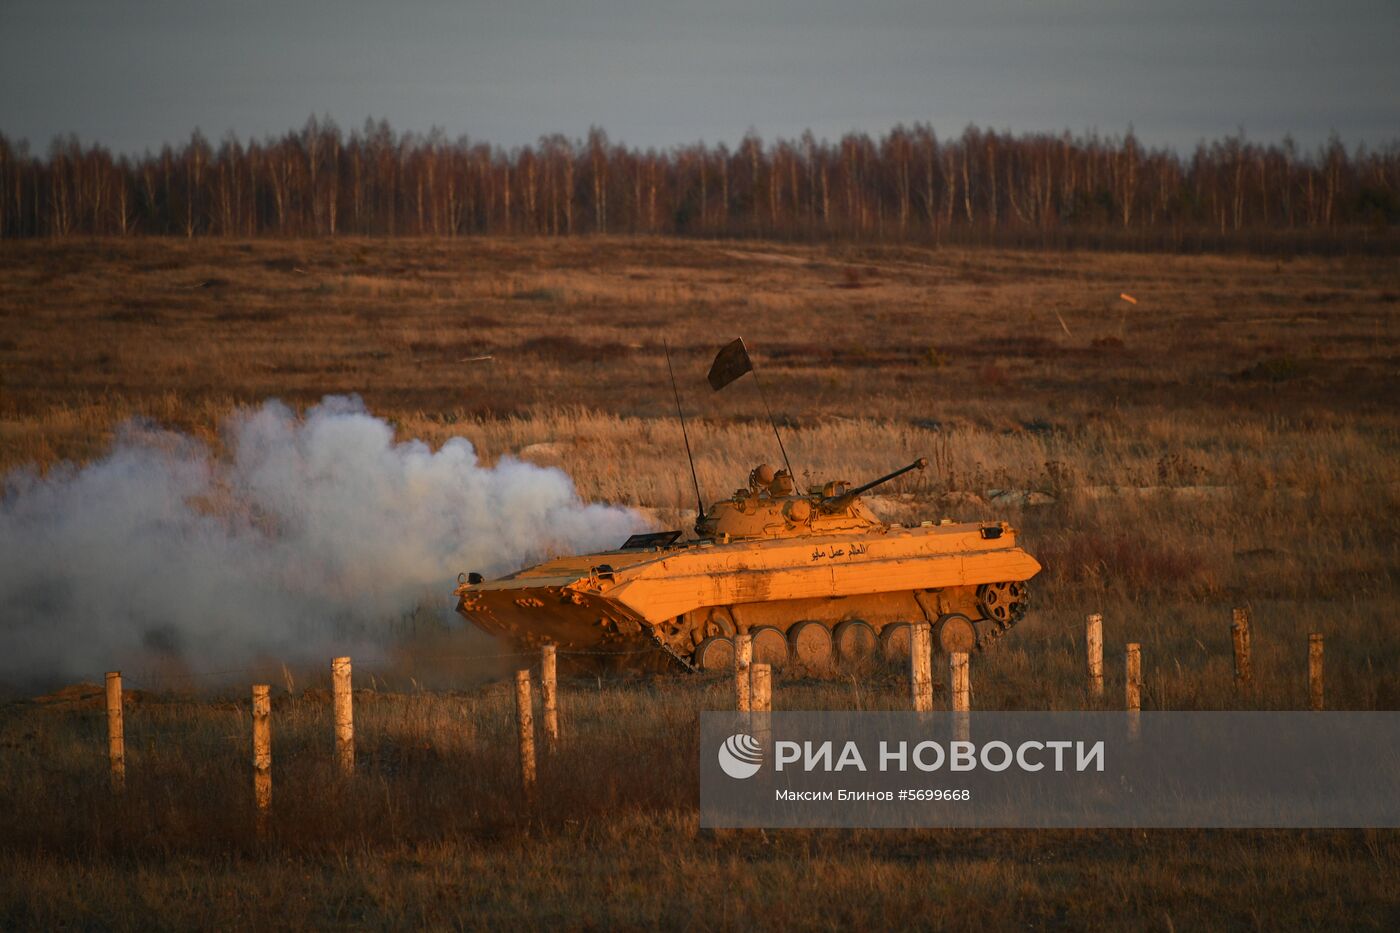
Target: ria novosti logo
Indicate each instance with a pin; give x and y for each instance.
(741, 756)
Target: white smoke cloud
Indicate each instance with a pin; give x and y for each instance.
(314, 533)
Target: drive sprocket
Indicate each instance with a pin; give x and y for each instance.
(1004, 604)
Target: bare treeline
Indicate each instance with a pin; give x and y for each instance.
(907, 185)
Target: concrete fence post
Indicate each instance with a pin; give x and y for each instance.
(762, 702)
(343, 704)
(1241, 636)
(1132, 687)
(525, 724)
(1093, 643)
(762, 688)
(549, 694)
(1315, 696)
(743, 660)
(960, 693)
(262, 754)
(920, 664)
(116, 733)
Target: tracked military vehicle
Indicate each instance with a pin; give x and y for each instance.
(813, 576)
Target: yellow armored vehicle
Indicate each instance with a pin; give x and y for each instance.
(814, 577)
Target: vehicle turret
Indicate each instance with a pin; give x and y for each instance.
(771, 507)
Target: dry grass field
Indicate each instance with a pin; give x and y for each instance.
(1232, 439)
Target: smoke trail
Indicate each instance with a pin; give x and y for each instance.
(315, 532)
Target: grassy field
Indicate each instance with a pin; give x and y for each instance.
(433, 832)
(1229, 440)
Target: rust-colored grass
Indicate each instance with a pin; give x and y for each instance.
(1232, 439)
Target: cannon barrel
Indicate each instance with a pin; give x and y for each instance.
(834, 502)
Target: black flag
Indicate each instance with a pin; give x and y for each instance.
(730, 363)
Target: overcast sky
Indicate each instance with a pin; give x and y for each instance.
(136, 73)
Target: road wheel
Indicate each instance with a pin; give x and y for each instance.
(894, 642)
(809, 644)
(715, 653)
(955, 632)
(856, 641)
(769, 646)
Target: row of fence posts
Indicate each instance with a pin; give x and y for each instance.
(1241, 638)
(921, 679)
(753, 693)
(753, 687)
(525, 714)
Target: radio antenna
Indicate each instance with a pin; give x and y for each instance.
(699, 500)
(772, 421)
